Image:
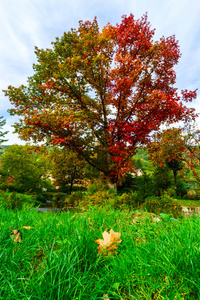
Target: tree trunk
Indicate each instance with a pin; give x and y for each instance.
(175, 175)
(71, 185)
(105, 179)
(112, 185)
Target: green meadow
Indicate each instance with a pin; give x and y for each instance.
(57, 258)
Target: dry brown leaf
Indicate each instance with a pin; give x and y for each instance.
(15, 235)
(108, 244)
(105, 297)
(26, 227)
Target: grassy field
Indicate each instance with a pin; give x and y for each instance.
(57, 258)
(183, 202)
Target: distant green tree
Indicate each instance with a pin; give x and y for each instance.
(162, 178)
(22, 170)
(145, 187)
(167, 148)
(2, 134)
(67, 169)
(141, 161)
(175, 166)
(137, 163)
(142, 153)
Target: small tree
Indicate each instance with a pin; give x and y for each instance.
(176, 146)
(67, 169)
(137, 163)
(162, 179)
(2, 134)
(22, 169)
(167, 148)
(175, 166)
(191, 141)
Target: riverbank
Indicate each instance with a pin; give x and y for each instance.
(57, 257)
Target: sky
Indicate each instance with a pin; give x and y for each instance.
(25, 24)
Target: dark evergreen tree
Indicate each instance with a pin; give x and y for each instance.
(175, 166)
(2, 134)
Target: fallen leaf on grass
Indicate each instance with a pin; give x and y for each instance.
(156, 219)
(105, 297)
(15, 236)
(166, 280)
(141, 216)
(26, 227)
(108, 244)
(139, 241)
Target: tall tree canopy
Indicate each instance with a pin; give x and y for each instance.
(102, 92)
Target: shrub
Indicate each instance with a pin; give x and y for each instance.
(181, 190)
(192, 194)
(171, 192)
(97, 186)
(59, 197)
(125, 190)
(163, 204)
(100, 198)
(101, 195)
(128, 200)
(41, 198)
(162, 179)
(8, 187)
(74, 199)
(128, 183)
(145, 188)
(14, 201)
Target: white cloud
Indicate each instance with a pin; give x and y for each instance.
(10, 136)
(25, 24)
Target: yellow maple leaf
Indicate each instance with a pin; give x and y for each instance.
(108, 244)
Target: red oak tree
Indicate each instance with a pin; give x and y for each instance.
(102, 92)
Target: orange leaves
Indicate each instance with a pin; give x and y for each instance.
(57, 140)
(109, 243)
(167, 145)
(188, 96)
(15, 236)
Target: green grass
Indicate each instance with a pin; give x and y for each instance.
(16, 200)
(183, 202)
(27, 197)
(58, 259)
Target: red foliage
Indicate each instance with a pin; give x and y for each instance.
(102, 92)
